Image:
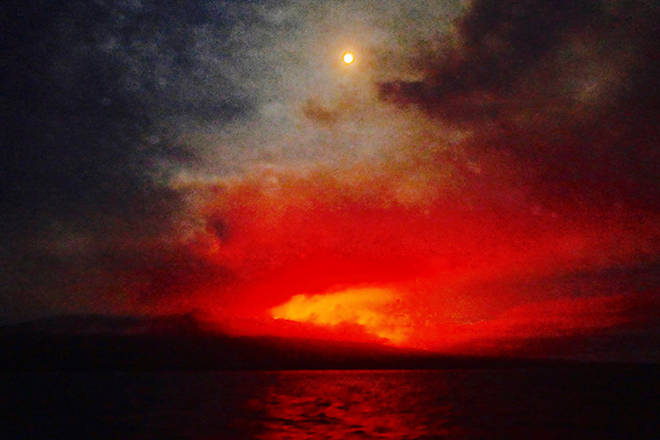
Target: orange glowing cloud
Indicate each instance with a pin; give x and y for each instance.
(377, 310)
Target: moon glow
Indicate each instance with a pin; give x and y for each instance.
(348, 57)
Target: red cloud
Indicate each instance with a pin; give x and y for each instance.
(549, 321)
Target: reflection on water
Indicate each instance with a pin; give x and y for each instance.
(559, 403)
(355, 404)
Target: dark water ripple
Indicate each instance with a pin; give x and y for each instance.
(559, 403)
(355, 404)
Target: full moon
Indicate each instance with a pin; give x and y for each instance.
(348, 57)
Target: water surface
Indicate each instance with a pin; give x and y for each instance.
(558, 403)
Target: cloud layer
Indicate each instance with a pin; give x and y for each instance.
(490, 167)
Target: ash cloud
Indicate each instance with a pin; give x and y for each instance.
(501, 54)
(94, 97)
(565, 89)
(95, 93)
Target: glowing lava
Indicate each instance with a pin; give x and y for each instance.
(376, 310)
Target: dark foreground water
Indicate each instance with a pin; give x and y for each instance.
(564, 403)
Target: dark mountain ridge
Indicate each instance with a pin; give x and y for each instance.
(78, 343)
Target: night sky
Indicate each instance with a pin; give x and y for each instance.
(482, 179)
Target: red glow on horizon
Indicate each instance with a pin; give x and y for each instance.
(317, 256)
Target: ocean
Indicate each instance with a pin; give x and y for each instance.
(595, 402)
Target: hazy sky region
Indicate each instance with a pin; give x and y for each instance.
(483, 179)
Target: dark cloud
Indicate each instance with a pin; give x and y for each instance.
(564, 88)
(219, 228)
(168, 277)
(497, 42)
(89, 93)
(502, 54)
(315, 111)
(93, 100)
